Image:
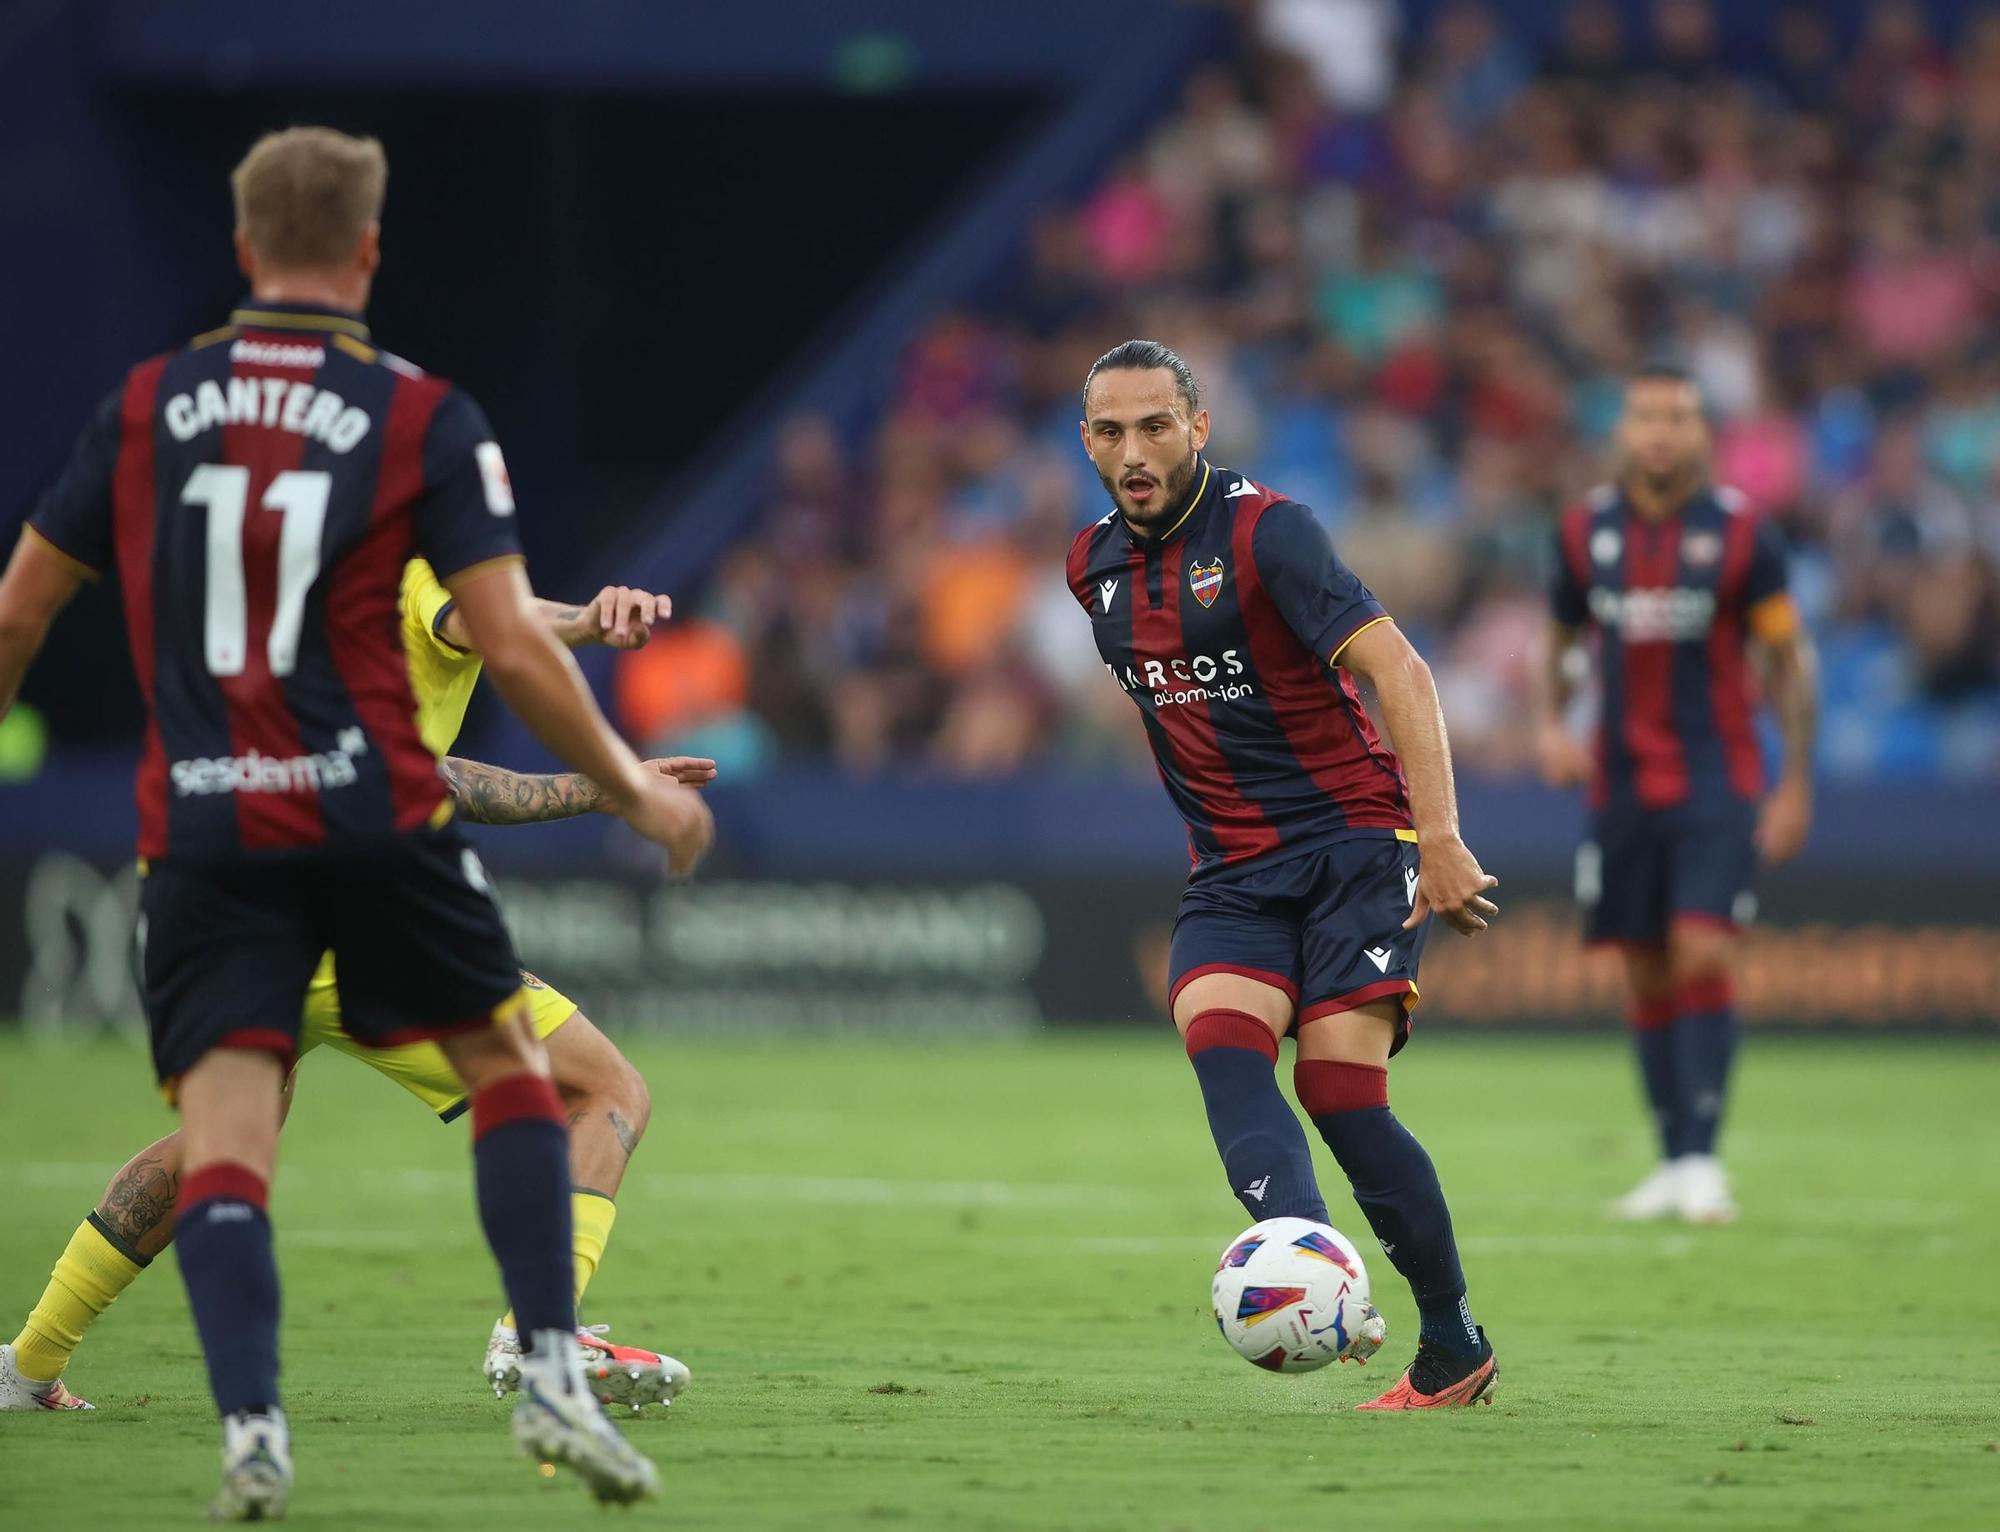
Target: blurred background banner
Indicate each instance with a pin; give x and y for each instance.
(785, 313)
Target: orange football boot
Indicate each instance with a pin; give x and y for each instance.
(1437, 1380)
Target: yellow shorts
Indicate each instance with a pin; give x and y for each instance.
(420, 1068)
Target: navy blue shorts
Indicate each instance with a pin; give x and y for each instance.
(1643, 869)
(230, 946)
(1326, 927)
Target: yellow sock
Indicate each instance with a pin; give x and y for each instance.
(591, 1216)
(91, 1273)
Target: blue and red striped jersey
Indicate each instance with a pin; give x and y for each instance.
(1669, 601)
(258, 494)
(1223, 631)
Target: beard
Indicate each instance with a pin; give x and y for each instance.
(1676, 479)
(1167, 503)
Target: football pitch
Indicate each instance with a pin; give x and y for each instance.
(964, 1286)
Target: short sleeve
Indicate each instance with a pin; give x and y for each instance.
(1569, 601)
(465, 516)
(74, 517)
(1766, 576)
(1318, 596)
(425, 602)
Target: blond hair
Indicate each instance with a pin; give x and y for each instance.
(305, 195)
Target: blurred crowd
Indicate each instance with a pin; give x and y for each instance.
(1410, 272)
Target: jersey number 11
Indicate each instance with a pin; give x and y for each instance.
(300, 496)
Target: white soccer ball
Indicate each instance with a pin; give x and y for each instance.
(1291, 1295)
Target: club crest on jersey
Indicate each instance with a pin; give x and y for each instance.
(1702, 548)
(1205, 580)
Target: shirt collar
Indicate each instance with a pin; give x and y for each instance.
(256, 314)
(1179, 524)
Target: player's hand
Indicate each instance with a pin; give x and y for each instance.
(1565, 759)
(622, 616)
(671, 816)
(1452, 884)
(1784, 820)
(688, 770)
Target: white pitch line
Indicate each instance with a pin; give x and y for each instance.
(872, 1191)
(38, 1175)
(836, 1191)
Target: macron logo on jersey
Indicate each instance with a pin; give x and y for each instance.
(1240, 487)
(1107, 590)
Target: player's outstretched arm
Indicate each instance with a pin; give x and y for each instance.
(619, 617)
(542, 684)
(492, 795)
(38, 584)
(1452, 883)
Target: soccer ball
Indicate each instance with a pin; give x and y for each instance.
(1291, 1295)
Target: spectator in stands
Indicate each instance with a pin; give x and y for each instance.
(1415, 296)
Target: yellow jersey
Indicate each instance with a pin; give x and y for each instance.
(442, 677)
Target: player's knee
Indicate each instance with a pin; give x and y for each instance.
(1649, 973)
(1233, 992)
(622, 1089)
(1698, 953)
(638, 1097)
(489, 1054)
(1365, 1035)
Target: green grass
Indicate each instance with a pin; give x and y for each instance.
(965, 1287)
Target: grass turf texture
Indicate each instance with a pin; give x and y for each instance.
(965, 1286)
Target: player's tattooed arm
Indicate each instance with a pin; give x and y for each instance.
(492, 795)
(137, 1208)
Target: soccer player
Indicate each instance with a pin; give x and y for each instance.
(259, 493)
(603, 1095)
(1682, 589)
(1317, 856)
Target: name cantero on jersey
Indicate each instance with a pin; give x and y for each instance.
(1181, 680)
(317, 413)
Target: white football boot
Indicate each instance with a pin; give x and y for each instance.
(557, 1421)
(1658, 1196)
(626, 1375)
(256, 1468)
(18, 1392)
(1704, 1190)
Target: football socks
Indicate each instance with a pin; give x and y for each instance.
(1263, 1148)
(1653, 1042)
(1704, 1044)
(520, 1152)
(591, 1215)
(1397, 1188)
(93, 1270)
(223, 1238)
